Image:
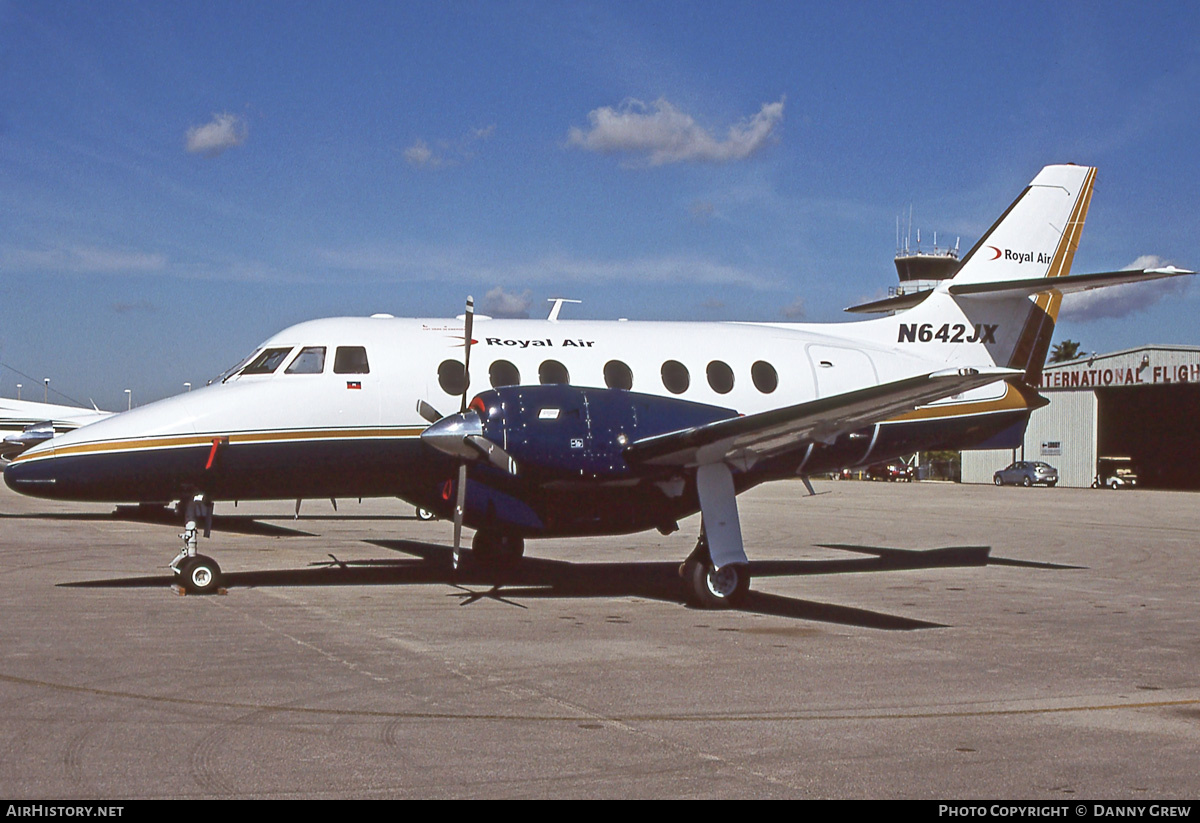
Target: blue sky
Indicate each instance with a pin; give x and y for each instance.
(180, 180)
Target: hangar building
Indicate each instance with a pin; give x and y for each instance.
(1130, 412)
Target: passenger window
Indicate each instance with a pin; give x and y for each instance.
(720, 377)
(452, 377)
(551, 371)
(267, 362)
(764, 377)
(351, 360)
(310, 360)
(675, 377)
(617, 375)
(503, 373)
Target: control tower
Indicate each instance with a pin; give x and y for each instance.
(921, 270)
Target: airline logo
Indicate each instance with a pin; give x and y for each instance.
(1041, 258)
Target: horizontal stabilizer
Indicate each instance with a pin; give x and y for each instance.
(794, 427)
(1014, 288)
(1064, 285)
(894, 303)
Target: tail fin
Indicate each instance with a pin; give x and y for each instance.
(1035, 238)
(1001, 298)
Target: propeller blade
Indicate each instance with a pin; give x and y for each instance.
(468, 327)
(428, 412)
(459, 504)
(497, 456)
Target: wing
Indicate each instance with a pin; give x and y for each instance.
(794, 427)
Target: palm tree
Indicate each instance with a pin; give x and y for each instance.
(1064, 351)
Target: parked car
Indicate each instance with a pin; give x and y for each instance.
(895, 471)
(1027, 473)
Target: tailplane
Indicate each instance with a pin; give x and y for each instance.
(1006, 294)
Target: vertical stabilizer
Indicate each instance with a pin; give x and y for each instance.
(1035, 238)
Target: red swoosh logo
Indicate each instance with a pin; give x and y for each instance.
(995, 256)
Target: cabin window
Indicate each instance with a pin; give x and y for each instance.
(551, 371)
(267, 362)
(452, 377)
(503, 373)
(310, 360)
(720, 377)
(351, 360)
(675, 377)
(764, 376)
(617, 375)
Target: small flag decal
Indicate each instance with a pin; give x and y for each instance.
(353, 384)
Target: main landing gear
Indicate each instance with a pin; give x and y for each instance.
(710, 588)
(196, 573)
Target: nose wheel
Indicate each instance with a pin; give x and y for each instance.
(199, 575)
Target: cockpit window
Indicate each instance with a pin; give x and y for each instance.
(310, 360)
(351, 360)
(230, 372)
(267, 362)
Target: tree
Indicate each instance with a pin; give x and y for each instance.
(1064, 351)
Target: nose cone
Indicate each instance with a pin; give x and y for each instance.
(449, 435)
(34, 477)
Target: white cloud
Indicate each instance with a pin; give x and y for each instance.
(80, 260)
(660, 133)
(794, 310)
(224, 132)
(419, 154)
(1121, 301)
(446, 152)
(499, 303)
(418, 264)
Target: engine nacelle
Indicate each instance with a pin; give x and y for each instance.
(575, 432)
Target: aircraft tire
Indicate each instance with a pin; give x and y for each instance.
(724, 589)
(199, 575)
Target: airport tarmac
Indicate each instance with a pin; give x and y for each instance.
(902, 641)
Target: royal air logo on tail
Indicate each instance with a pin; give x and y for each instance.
(1041, 258)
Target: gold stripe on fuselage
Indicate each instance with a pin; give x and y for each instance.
(185, 441)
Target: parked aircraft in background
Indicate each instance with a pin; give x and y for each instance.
(586, 428)
(25, 423)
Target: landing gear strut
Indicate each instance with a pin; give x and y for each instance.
(710, 588)
(195, 572)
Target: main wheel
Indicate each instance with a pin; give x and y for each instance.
(715, 589)
(998, 481)
(199, 575)
(497, 547)
(1113, 484)
(425, 514)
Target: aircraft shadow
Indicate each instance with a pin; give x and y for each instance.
(540, 579)
(230, 523)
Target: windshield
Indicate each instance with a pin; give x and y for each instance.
(230, 372)
(267, 362)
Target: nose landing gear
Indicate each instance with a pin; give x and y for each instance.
(196, 573)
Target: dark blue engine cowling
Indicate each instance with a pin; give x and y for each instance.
(575, 432)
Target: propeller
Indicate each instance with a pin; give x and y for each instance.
(461, 435)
